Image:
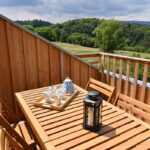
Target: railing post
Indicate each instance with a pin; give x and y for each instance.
(142, 98)
(136, 72)
(62, 65)
(108, 70)
(102, 67)
(114, 71)
(127, 77)
(120, 76)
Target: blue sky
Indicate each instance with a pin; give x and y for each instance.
(63, 10)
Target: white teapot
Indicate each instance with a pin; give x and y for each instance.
(68, 86)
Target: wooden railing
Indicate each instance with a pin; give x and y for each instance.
(124, 73)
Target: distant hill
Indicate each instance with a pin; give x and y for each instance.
(139, 22)
(80, 32)
(35, 23)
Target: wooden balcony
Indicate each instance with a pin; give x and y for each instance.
(129, 75)
(28, 61)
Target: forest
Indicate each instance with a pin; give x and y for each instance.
(109, 35)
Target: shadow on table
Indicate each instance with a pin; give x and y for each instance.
(107, 131)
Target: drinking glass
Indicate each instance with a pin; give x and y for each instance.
(52, 89)
(46, 95)
(59, 96)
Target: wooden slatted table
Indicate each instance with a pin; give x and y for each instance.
(63, 130)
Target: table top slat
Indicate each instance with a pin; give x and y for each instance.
(145, 145)
(121, 138)
(92, 139)
(107, 126)
(133, 141)
(64, 130)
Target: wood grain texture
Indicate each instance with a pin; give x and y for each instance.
(16, 56)
(145, 74)
(55, 65)
(120, 76)
(75, 71)
(67, 65)
(106, 91)
(28, 61)
(136, 71)
(43, 63)
(93, 73)
(114, 72)
(31, 60)
(102, 63)
(6, 88)
(108, 71)
(127, 78)
(133, 106)
(64, 130)
(34, 124)
(84, 75)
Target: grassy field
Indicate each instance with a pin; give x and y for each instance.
(77, 49)
(133, 54)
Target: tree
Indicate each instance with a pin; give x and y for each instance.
(46, 32)
(109, 35)
(35, 23)
(30, 27)
(80, 39)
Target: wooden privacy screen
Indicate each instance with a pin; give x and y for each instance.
(28, 61)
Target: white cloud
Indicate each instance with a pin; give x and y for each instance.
(60, 10)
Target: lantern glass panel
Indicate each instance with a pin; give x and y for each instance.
(90, 118)
(100, 113)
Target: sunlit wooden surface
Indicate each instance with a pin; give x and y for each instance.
(63, 130)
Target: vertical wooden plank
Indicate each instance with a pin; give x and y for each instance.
(62, 65)
(98, 66)
(114, 71)
(145, 74)
(31, 61)
(16, 53)
(67, 65)
(5, 72)
(147, 97)
(136, 72)
(108, 70)
(75, 70)
(84, 74)
(93, 73)
(102, 67)
(2, 139)
(127, 78)
(120, 76)
(43, 63)
(55, 65)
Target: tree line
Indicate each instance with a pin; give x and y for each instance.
(109, 35)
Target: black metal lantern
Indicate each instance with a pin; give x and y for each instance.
(92, 117)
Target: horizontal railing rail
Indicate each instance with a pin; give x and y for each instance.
(129, 75)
